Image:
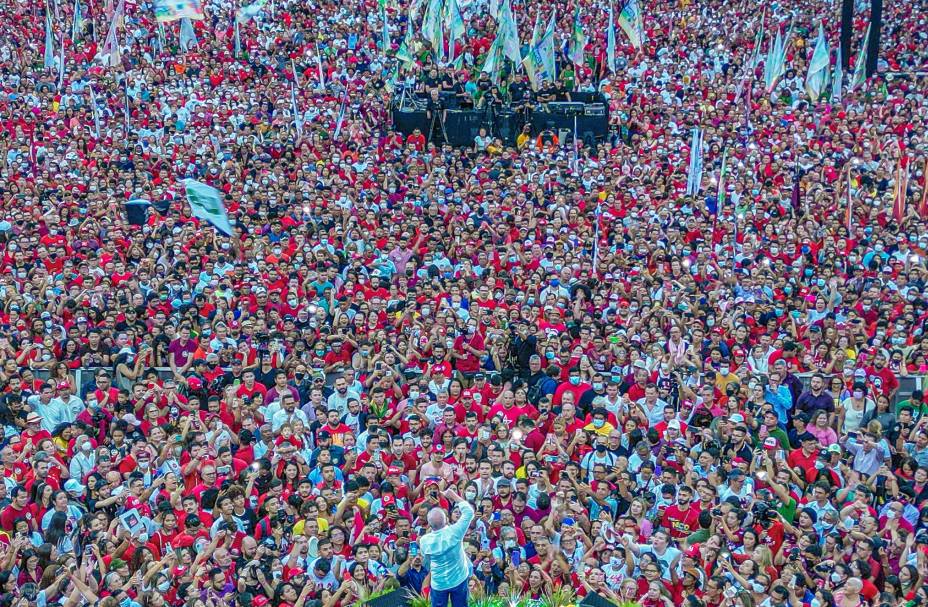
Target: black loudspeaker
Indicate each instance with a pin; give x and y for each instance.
(397, 598)
(847, 31)
(873, 44)
(462, 126)
(591, 97)
(407, 122)
(508, 126)
(595, 600)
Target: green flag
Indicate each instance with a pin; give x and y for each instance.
(723, 173)
(577, 40)
(860, 66)
(206, 203)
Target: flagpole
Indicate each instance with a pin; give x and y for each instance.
(319, 65)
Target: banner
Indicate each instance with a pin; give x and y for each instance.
(172, 10)
(539, 63)
(631, 23)
(206, 203)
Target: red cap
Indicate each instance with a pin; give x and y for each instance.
(259, 601)
(393, 470)
(439, 448)
(739, 460)
(387, 499)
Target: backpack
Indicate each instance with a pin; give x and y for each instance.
(537, 391)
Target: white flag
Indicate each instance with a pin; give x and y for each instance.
(49, 59)
(510, 34)
(610, 42)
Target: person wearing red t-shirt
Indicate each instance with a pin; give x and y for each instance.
(18, 508)
(573, 385)
(249, 387)
(883, 380)
(468, 350)
(506, 406)
(417, 140)
(105, 395)
(805, 456)
(33, 435)
(682, 518)
(334, 428)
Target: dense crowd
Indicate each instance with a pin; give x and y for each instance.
(708, 400)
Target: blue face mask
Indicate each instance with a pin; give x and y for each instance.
(575, 381)
(549, 355)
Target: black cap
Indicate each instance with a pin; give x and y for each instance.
(192, 520)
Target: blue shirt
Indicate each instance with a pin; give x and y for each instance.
(443, 552)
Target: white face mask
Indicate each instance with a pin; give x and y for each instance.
(470, 495)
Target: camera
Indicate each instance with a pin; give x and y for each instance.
(763, 515)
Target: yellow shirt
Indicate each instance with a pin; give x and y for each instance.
(604, 430)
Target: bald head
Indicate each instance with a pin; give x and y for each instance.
(437, 519)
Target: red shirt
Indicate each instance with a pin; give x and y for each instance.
(681, 523)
